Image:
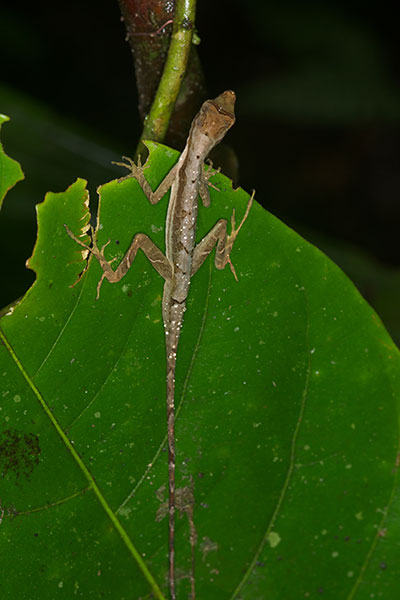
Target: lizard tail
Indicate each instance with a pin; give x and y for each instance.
(171, 474)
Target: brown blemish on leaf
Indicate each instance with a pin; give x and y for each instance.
(207, 546)
(19, 453)
(7, 511)
(184, 501)
(397, 463)
(382, 532)
(163, 508)
(160, 493)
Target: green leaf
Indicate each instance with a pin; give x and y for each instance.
(287, 423)
(10, 171)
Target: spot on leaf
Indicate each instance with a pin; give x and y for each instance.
(19, 453)
(274, 539)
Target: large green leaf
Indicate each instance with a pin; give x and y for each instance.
(287, 394)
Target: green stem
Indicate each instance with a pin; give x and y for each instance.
(157, 121)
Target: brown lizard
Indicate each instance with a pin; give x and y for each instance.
(187, 179)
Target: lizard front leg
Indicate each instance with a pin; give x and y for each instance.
(136, 171)
(218, 236)
(142, 241)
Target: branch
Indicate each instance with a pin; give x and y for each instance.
(156, 122)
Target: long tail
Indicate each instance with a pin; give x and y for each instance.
(171, 469)
(173, 317)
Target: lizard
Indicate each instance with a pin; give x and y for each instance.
(187, 180)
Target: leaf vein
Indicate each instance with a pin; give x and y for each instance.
(291, 460)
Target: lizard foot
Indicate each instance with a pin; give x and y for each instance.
(136, 170)
(234, 233)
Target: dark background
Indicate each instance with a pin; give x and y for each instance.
(317, 131)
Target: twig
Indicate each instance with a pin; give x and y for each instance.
(156, 122)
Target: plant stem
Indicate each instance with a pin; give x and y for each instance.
(156, 122)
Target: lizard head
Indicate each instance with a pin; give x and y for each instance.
(215, 117)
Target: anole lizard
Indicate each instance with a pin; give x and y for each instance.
(187, 180)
